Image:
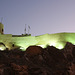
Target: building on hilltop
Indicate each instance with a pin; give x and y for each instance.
(13, 41)
(23, 41)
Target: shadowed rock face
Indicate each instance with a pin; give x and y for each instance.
(34, 50)
(38, 61)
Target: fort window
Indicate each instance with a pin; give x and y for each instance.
(2, 30)
(12, 45)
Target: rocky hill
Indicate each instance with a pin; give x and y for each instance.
(38, 61)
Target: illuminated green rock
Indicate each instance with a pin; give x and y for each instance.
(57, 40)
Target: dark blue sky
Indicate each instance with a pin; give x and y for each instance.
(43, 16)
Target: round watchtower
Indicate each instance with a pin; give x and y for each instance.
(1, 28)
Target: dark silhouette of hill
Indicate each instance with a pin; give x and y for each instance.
(38, 61)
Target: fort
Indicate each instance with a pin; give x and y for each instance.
(23, 41)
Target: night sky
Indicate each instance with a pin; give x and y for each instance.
(43, 16)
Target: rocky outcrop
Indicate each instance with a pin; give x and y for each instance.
(38, 61)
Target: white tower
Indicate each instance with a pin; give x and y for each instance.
(1, 28)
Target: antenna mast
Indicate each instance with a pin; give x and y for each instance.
(28, 29)
(25, 29)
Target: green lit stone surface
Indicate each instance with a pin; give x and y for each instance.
(57, 40)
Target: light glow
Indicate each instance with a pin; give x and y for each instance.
(2, 48)
(43, 46)
(60, 46)
(57, 40)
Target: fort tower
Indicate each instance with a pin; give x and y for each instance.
(1, 28)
